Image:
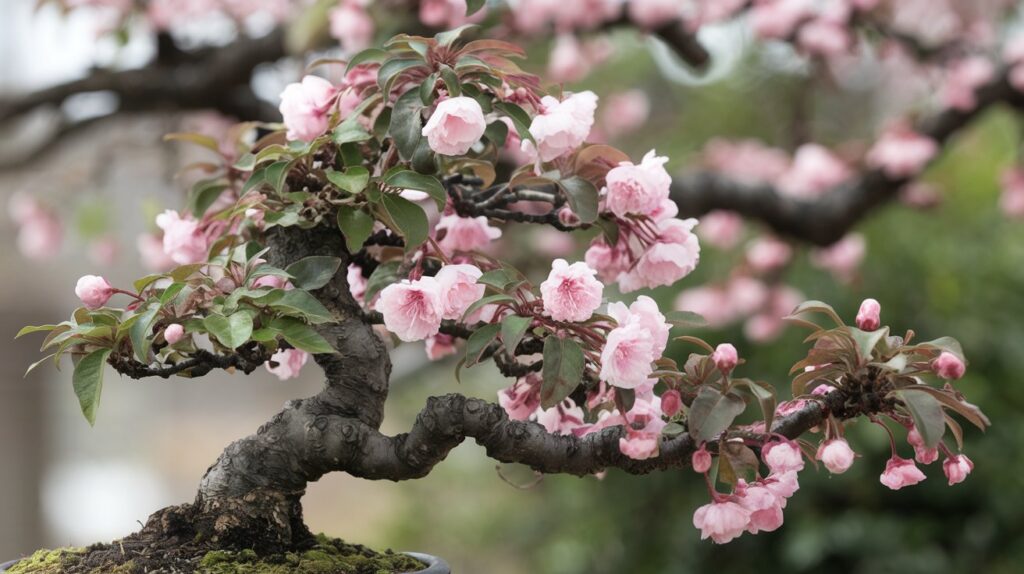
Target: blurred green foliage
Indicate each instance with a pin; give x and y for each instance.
(957, 270)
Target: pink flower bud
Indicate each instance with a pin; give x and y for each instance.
(701, 460)
(836, 455)
(94, 291)
(671, 403)
(869, 315)
(900, 472)
(949, 366)
(456, 124)
(957, 468)
(567, 217)
(725, 357)
(174, 333)
(783, 457)
(922, 453)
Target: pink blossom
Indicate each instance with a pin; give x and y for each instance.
(765, 508)
(306, 107)
(287, 363)
(412, 309)
(644, 312)
(721, 521)
(843, 258)
(184, 241)
(561, 127)
(625, 112)
(1012, 199)
(824, 37)
(356, 282)
(352, 26)
(459, 289)
(40, 238)
(836, 455)
(701, 460)
(571, 293)
(725, 357)
(671, 403)
(674, 256)
(455, 126)
(869, 315)
(783, 484)
(568, 63)
(748, 161)
(627, 356)
(814, 171)
(949, 366)
(721, 229)
(562, 418)
(746, 295)
(639, 445)
(443, 13)
(638, 189)
(783, 456)
(608, 261)
(964, 78)
(272, 281)
(766, 254)
(173, 333)
(465, 234)
(779, 18)
(522, 398)
(94, 291)
(440, 346)
(151, 250)
(900, 472)
(901, 152)
(922, 453)
(653, 14)
(711, 303)
(957, 468)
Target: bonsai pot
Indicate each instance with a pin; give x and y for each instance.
(434, 564)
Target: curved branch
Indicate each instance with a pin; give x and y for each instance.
(826, 220)
(200, 363)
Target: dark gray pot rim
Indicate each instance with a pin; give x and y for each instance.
(434, 564)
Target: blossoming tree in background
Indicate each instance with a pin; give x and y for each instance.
(368, 215)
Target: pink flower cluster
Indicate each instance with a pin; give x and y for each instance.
(742, 298)
(413, 310)
(39, 230)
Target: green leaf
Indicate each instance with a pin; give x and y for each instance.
(232, 331)
(497, 278)
(563, 370)
(170, 293)
(299, 302)
(474, 6)
(765, 395)
(407, 123)
(140, 332)
(391, 70)
(685, 319)
(385, 274)
(497, 133)
(451, 80)
(817, 307)
(368, 55)
(489, 300)
(519, 118)
(582, 196)
(479, 341)
(87, 381)
(353, 180)
(448, 38)
(409, 219)
(204, 194)
(356, 225)
(867, 341)
(34, 329)
(712, 412)
(276, 174)
(927, 413)
(313, 272)
(428, 183)
(302, 336)
(513, 328)
(350, 131)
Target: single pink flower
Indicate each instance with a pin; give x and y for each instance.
(455, 126)
(638, 189)
(464, 234)
(561, 127)
(721, 521)
(765, 508)
(721, 229)
(701, 460)
(412, 309)
(783, 484)
(571, 293)
(963, 79)
(609, 261)
(644, 311)
(766, 254)
(174, 333)
(639, 445)
(151, 251)
(747, 161)
(184, 240)
(40, 238)
(287, 363)
(567, 63)
(522, 399)
(94, 291)
(814, 171)
(351, 25)
(625, 112)
(725, 357)
(459, 289)
(306, 107)
(869, 315)
(674, 256)
(671, 402)
(440, 346)
(783, 456)
(949, 366)
(836, 455)
(901, 152)
(957, 468)
(843, 258)
(627, 356)
(900, 472)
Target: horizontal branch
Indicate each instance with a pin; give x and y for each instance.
(200, 363)
(827, 219)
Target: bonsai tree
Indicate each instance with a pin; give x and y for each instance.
(366, 217)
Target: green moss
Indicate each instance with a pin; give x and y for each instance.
(329, 556)
(47, 561)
